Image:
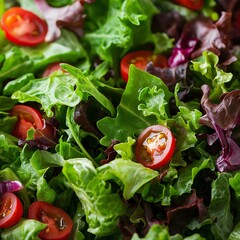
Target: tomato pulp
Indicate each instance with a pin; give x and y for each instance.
(140, 59)
(23, 27)
(11, 210)
(155, 146)
(28, 117)
(191, 4)
(59, 222)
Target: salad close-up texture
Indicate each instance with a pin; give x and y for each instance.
(120, 119)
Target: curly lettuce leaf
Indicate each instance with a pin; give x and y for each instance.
(18, 61)
(220, 207)
(187, 175)
(133, 18)
(101, 207)
(223, 117)
(235, 234)
(156, 232)
(206, 65)
(131, 175)
(119, 128)
(56, 90)
(85, 85)
(14, 64)
(125, 149)
(161, 232)
(31, 168)
(8, 150)
(76, 132)
(26, 229)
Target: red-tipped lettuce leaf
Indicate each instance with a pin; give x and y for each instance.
(70, 16)
(170, 76)
(223, 117)
(203, 34)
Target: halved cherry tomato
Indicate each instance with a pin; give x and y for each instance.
(11, 210)
(140, 59)
(155, 146)
(59, 222)
(191, 4)
(23, 27)
(27, 117)
(52, 68)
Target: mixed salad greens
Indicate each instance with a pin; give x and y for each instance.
(81, 157)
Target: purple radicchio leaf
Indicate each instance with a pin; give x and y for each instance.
(185, 208)
(203, 34)
(182, 211)
(182, 51)
(226, 5)
(86, 114)
(170, 75)
(10, 186)
(70, 16)
(43, 138)
(232, 6)
(178, 215)
(223, 117)
(170, 23)
(110, 153)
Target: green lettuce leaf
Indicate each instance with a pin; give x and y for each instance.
(131, 175)
(206, 65)
(132, 17)
(160, 232)
(220, 207)
(101, 207)
(18, 61)
(8, 151)
(235, 234)
(15, 64)
(26, 229)
(56, 90)
(119, 128)
(187, 174)
(87, 86)
(125, 149)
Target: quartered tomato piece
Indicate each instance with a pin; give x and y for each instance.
(28, 117)
(23, 27)
(59, 222)
(155, 146)
(11, 210)
(191, 4)
(140, 59)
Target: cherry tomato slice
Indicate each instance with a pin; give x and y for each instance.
(59, 222)
(23, 27)
(27, 117)
(191, 4)
(140, 59)
(51, 68)
(11, 210)
(155, 146)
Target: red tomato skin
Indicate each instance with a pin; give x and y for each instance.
(15, 213)
(21, 35)
(51, 68)
(29, 114)
(27, 117)
(191, 4)
(156, 161)
(140, 59)
(46, 213)
(21, 128)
